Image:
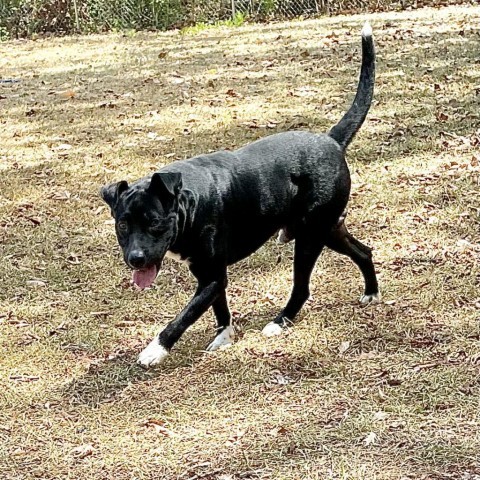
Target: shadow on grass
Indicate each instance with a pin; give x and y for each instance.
(412, 58)
(277, 375)
(105, 380)
(317, 378)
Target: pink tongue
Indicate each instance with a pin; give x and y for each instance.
(144, 278)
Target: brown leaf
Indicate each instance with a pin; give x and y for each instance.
(232, 93)
(394, 382)
(125, 323)
(252, 124)
(276, 431)
(67, 94)
(158, 426)
(61, 195)
(34, 220)
(235, 438)
(106, 105)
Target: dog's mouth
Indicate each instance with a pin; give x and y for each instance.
(146, 276)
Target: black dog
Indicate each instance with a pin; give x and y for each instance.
(213, 210)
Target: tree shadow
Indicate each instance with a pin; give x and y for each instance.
(190, 371)
(399, 136)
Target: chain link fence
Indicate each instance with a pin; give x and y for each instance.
(22, 18)
(285, 9)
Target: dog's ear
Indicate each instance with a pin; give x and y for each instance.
(111, 193)
(166, 185)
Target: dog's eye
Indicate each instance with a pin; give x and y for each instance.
(122, 226)
(158, 226)
(159, 223)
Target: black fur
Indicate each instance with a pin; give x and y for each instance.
(214, 210)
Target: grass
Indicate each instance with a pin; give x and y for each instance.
(384, 392)
(237, 21)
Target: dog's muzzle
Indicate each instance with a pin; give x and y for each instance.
(137, 259)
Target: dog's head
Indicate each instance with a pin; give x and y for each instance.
(146, 221)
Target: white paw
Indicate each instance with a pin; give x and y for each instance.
(152, 355)
(272, 329)
(223, 339)
(373, 298)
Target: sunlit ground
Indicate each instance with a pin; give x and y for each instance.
(383, 392)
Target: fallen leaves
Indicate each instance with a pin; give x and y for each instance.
(370, 439)
(278, 378)
(232, 93)
(61, 195)
(343, 347)
(255, 123)
(379, 363)
(82, 451)
(67, 94)
(24, 378)
(235, 438)
(442, 117)
(278, 431)
(158, 426)
(107, 104)
(303, 92)
(380, 416)
(36, 283)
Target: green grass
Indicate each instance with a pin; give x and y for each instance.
(400, 402)
(237, 21)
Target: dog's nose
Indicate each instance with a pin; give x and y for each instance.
(136, 259)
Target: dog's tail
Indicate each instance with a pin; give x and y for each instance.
(351, 122)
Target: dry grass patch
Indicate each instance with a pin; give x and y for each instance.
(385, 392)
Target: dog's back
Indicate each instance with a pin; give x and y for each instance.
(216, 209)
(277, 182)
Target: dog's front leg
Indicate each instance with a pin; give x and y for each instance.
(158, 349)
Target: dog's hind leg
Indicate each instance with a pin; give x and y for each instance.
(284, 236)
(341, 241)
(307, 251)
(225, 330)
